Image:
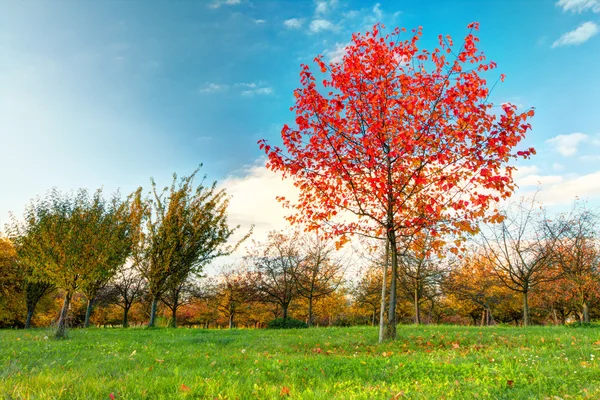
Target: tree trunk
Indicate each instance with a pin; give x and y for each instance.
(285, 309)
(525, 309)
(586, 313)
(153, 312)
(29, 316)
(391, 328)
(417, 307)
(382, 325)
(231, 321)
(62, 319)
(173, 323)
(125, 320)
(310, 307)
(88, 312)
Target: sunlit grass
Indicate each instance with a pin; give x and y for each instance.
(426, 362)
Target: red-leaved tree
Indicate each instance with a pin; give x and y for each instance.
(399, 140)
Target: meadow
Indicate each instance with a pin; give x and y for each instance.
(426, 362)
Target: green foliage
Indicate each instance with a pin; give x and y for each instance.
(286, 323)
(426, 362)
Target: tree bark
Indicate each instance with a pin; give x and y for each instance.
(382, 325)
(586, 313)
(28, 320)
(173, 323)
(417, 307)
(153, 312)
(231, 321)
(391, 328)
(125, 317)
(88, 313)
(62, 319)
(285, 309)
(525, 308)
(310, 306)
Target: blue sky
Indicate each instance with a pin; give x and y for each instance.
(110, 93)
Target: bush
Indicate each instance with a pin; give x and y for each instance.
(286, 323)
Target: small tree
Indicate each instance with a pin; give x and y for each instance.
(519, 251)
(128, 286)
(398, 141)
(320, 273)
(185, 229)
(274, 263)
(67, 240)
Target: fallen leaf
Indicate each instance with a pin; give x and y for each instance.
(285, 391)
(185, 388)
(112, 396)
(160, 361)
(510, 383)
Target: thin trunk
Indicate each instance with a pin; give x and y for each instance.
(525, 308)
(554, 316)
(417, 307)
(310, 307)
(373, 317)
(231, 321)
(88, 312)
(62, 319)
(483, 318)
(29, 316)
(125, 320)
(153, 312)
(173, 323)
(586, 313)
(285, 309)
(383, 292)
(391, 328)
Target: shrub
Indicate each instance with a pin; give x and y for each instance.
(286, 323)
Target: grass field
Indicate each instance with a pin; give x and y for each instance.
(428, 362)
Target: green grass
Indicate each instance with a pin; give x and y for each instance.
(429, 362)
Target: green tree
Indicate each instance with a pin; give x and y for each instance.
(185, 228)
(67, 240)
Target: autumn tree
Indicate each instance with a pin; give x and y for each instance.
(577, 253)
(67, 240)
(366, 291)
(397, 141)
(128, 286)
(185, 228)
(421, 272)
(321, 271)
(274, 262)
(519, 250)
(234, 293)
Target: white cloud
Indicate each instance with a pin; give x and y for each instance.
(336, 54)
(259, 21)
(377, 11)
(257, 91)
(324, 6)
(557, 166)
(319, 25)
(567, 144)
(579, 6)
(211, 87)
(525, 171)
(293, 23)
(539, 180)
(565, 191)
(580, 35)
(219, 3)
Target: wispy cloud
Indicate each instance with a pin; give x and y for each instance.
(567, 144)
(336, 54)
(219, 3)
(259, 21)
(212, 87)
(254, 89)
(319, 25)
(579, 6)
(293, 23)
(324, 6)
(580, 35)
(377, 11)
